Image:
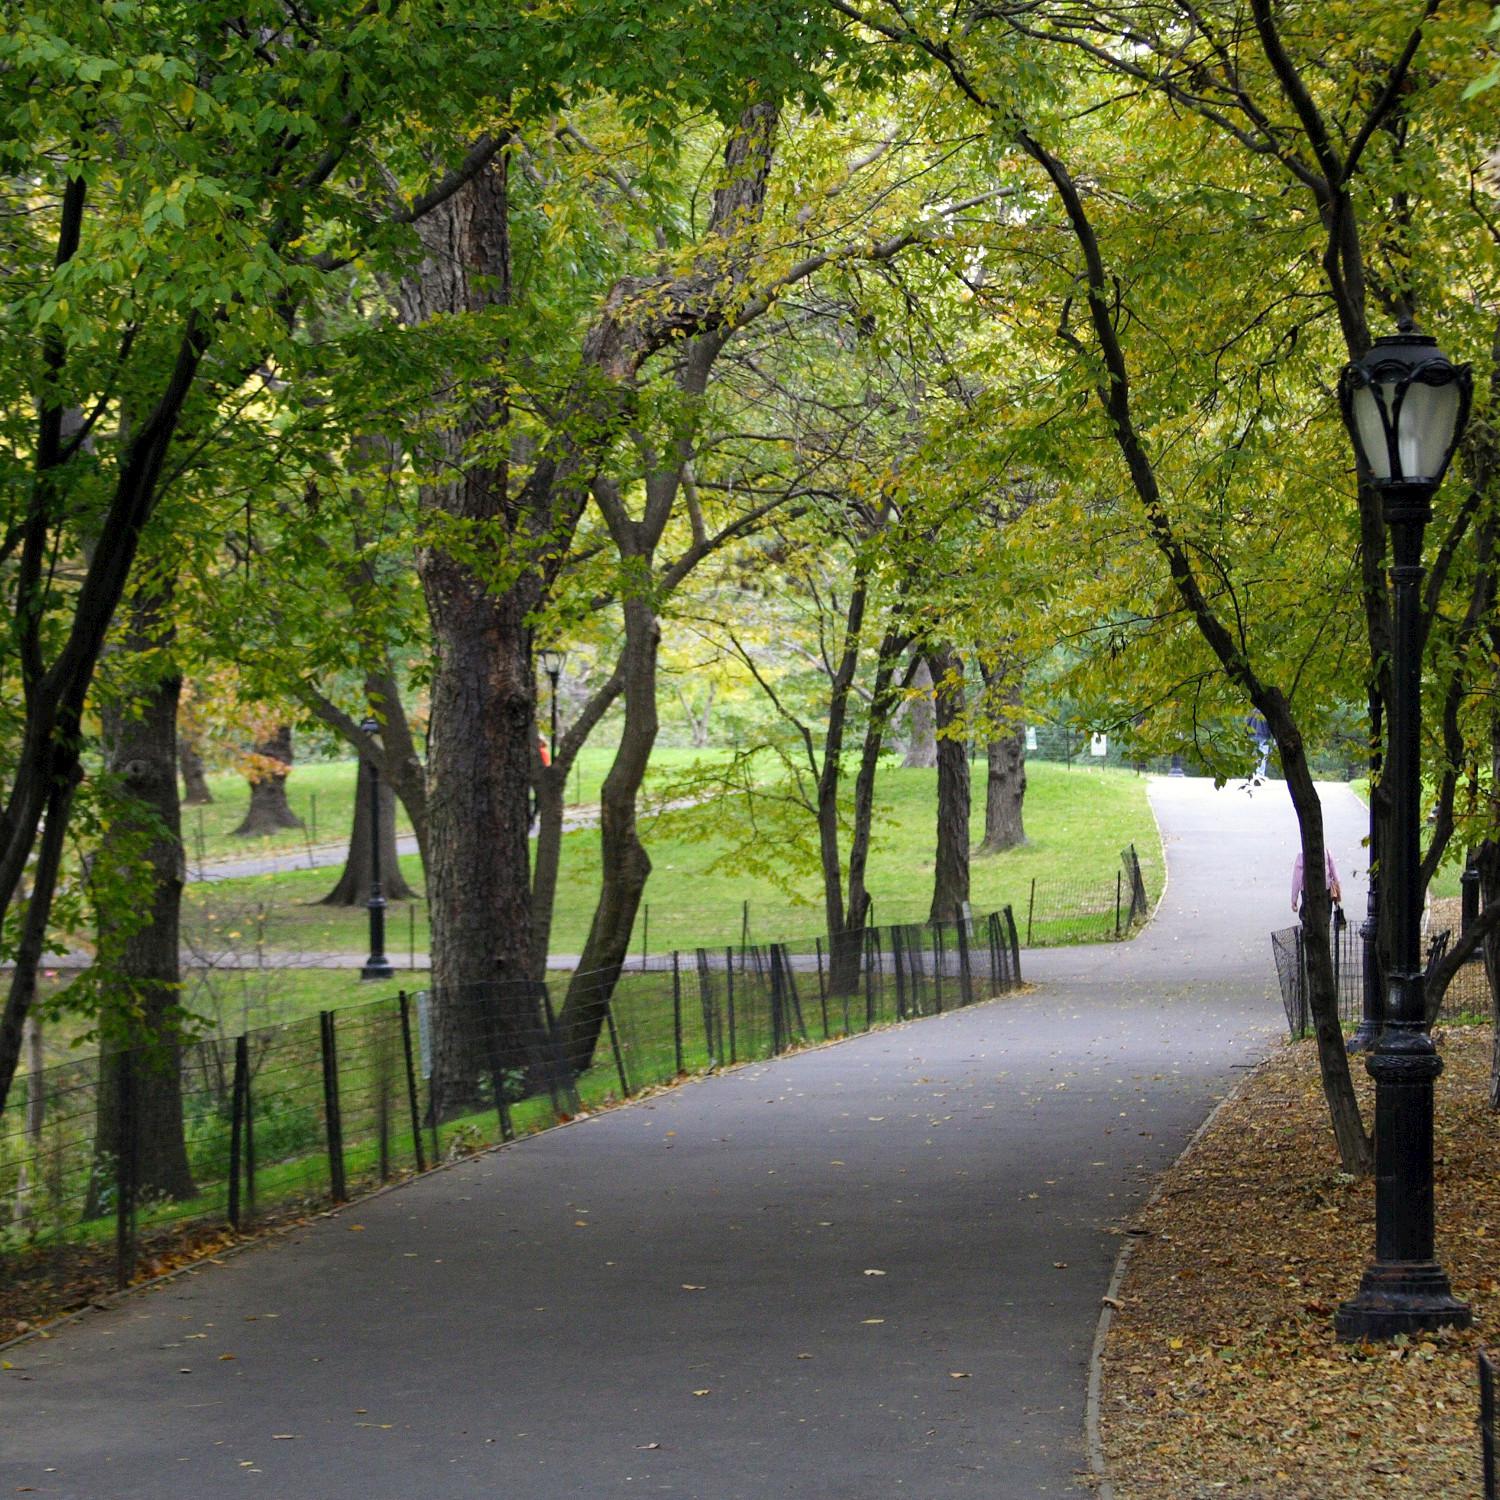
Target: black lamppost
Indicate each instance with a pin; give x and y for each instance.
(552, 665)
(1405, 405)
(1372, 1002)
(377, 965)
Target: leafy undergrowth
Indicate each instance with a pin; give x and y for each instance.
(1221, 1372)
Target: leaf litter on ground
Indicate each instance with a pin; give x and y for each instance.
(1221, 1371)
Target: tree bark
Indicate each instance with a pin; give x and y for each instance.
(625, 865)
(478, 779)
(353, 888)
(950, 876)
(139, 874)
(921, 745)
(269, 810)
(1005, 783)
(844, 941)
(551, 784)
(482, 736)
(195, 792)
(400, 766)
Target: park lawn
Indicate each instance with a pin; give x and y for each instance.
(701, 892)
(321, 793)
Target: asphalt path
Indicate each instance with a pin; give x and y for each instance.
(870, 1270)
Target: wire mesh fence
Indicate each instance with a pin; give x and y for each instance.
(1289, 953)
(105, 1162)
(1086, 911)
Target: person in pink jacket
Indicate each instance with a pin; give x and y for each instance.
(1298, 892)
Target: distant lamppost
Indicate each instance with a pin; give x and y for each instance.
(552, 665)
(1405, 405)
(377, 966)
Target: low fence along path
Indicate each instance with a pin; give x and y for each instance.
(864, 1271)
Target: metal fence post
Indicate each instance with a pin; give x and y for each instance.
(237, 1126)
(1030, 910)
(793, 1001)
(404, 1001)
(125, 1171)
(614, 1042)
(1015, 949)
(248, 1207)
(1119, 884)
(729, 997)
(777, 1023)
(677, 1012)
(1487, 1423)
(939, 964)
(331, 1113)
(822, 991)
(897, 954)
(383, 1095)
(965, 973)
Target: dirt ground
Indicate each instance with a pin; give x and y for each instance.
(1221, 1372)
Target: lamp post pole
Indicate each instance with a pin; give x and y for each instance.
(1404, 1290)
(377, 966)
(1373, 1006)
(552, 665)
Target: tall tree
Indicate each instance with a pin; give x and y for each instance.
(187, 187)
(1342, 156)
(950, 875)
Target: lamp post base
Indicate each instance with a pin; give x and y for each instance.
(377, 969)
(1400, 1297)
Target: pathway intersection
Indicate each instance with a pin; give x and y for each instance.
(867, 1271)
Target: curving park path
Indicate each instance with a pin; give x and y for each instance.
(868, 1271)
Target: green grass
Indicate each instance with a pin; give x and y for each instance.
(321, 793)
(1077, 821)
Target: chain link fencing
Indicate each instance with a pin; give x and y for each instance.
(1288, 952)
(1090, 911)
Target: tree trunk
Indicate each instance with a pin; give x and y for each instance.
(139, 875)
(1487, 862)
(1356, 1153)
(482, 737)
(194, 782)
(353, 888)
(625, 865)
(921, 747)
(832, 768)
(1005, 784)
(551, 785)
(950, 878)
(269, 811)
(478, 781)
(844, 951)
(698, 720)
(401, 767)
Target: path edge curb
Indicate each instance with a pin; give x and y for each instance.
(1103, 1486)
